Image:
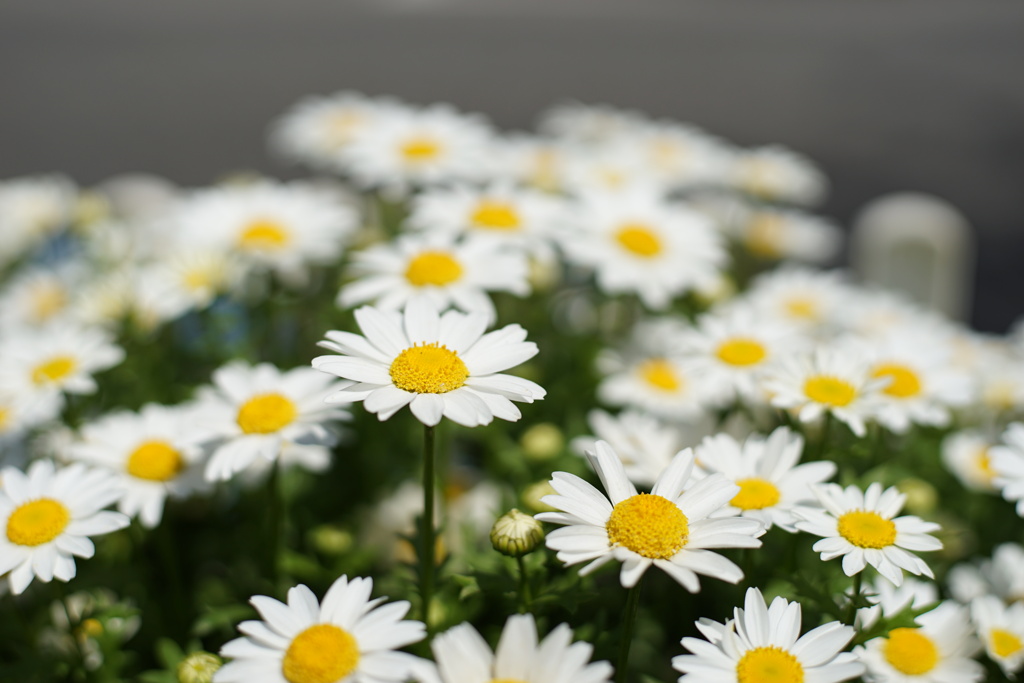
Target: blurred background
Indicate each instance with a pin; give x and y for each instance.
(918, 95)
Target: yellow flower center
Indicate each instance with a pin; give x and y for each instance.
(264, 235)
(428, 369)
(910, 652)
(764, 236)
(5, 418)
(53, 370)
(755, 494)
(741, 351)
(155, 461)
(1004, 643)
(983, 463)
(867, 529)
(493, 215)
(769, 665)
(831, 391)
(37, 522)
(266, 414)
(341, 127)
(905, 382)
(801, 307)
(46, 301)
(639, 239)
(421, 149)
(433, 268)
(323, 653)
(649, 525)
(660, 374)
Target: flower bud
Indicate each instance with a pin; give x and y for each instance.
(922, 497)
(516, 534)
(533, 494)
(198, 667)
(542, 442)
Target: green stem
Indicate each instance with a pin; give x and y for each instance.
(524, 587)
(626, 639)
(854, 595)
(274, 520)
(428, 563)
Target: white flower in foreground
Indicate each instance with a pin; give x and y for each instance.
(771, 482)
(862, 527)
(261, 413)
(155, 453)
(463, 656)
(762, 644)
(435, 266)
(830, 380)
(348, 637)
(939, 651)
(1008, 465)
(668, 527)
(1001, 629)
(438, 365)
(47, 517)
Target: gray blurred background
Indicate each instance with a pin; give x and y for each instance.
(923, 95)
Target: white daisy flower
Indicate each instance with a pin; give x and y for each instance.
(347, 638)
(643, 245)
(155, 453)
(276, 226)
(615, 171)
(771, 482)
(833, 379)
(645, 444)
(534, 162)
(262, 413)
(1001, 629)
(938, 651)
(515, 217)
(589, 123)
(438, 268)
(668, 528)
(463, 656)
(779, 234)
(812, 300)
(39, 295)
(762, 643)
(414, 147)
(999, 575)
(680, 155)
(1008, 465)
(40, 365)
(32, 209)
(967, 454)
(889, 600)
(191, 280)
(777, 174)
(48, 516)
(438, 365)
(861, 526)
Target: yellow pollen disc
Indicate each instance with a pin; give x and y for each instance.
(983, 462)
(755, 494)
(910, 652)
(1004, 643)
(428, 369)
(867, 529)
(5, 418)
(266, 414)
(420, 149)
(649, 525)
(53, 370)
(801, 307)
(433, 268)
(769, 665)
(264, 235)
(831, 391)
(493, 215)
(155, 461)
(741, 351)
(47, 300)
(639, 239)
(660, 374)
(323, 653)
(764, 236)
(905, 382)
(37, 522)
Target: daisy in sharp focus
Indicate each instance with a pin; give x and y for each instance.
(668, 528)
(435, 266)
(258, 414)
(766, 470)
(862, 528)
(762, 644)
(156, 453)
(347, 638)
(48, 515)
(438, 365)
(463, 656)
(1001, 628)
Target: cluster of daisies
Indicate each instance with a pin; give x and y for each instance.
(738, 419)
